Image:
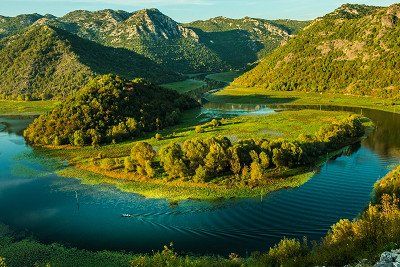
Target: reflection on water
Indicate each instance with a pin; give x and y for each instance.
(217, 110)
(33, 198)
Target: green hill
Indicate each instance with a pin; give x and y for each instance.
(45, 62)
(354, 50)
(108, 108)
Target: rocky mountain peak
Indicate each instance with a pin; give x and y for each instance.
(153, 23)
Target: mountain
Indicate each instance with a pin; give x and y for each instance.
(203, 46)
(46, 62)
(242, 41)
(353, 50)
(147, 32)
(12, 25)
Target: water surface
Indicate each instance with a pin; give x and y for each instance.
(35, 200)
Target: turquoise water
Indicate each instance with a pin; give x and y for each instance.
(35, 200)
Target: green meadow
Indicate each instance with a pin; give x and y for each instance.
(26, 108)
(185, 86)
(233, 94)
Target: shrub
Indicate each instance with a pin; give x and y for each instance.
(215, 123)
(158, 136)
(2, 262)
(199, 129)
(107, 164)
(286, 250)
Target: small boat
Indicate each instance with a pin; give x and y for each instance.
(126, 215)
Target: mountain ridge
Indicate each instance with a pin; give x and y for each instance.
(180, 47)
(45, 62)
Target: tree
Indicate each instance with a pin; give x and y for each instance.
(286, 249)
(173, 161)
(256, 172)
(143, 152)
(200, 175)
(132, 125)
(217, 159)
(264, 160)
(129, 165)
(78, 138)
(195, 151)
(56, 141)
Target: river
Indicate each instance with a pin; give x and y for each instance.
(54, 209)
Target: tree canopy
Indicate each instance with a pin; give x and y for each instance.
(109, 108)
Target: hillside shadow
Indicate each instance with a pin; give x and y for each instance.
(127, 63)
(236, 47)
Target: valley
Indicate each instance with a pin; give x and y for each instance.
(130, 139)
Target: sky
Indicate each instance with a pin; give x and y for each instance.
(190, 10)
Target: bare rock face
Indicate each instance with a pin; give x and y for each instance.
(152, 23)
(389, 259)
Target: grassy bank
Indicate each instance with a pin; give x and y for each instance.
(25, 108)
(243, 95)
(176, 191)
(287, 124)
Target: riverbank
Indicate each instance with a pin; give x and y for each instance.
(233, 94)
(25, 108)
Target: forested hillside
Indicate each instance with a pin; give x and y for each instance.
(44, 62)
(354, 50)
(214, 45)
(108, 108)
(242, 41)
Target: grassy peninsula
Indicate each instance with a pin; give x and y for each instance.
(113, 164)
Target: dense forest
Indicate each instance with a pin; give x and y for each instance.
(354, 50)
(108, 109)
(246, 162)
(45, 62)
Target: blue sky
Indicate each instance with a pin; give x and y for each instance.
(189, 10)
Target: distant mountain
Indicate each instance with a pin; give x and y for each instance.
(242, 41)
(147, 32)
(353, 50)
(44, 62)
(202, 46)
(12, 25)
